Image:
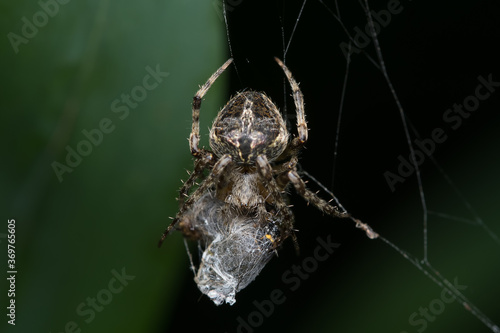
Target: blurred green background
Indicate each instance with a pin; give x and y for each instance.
(108, 213)
(105, 217)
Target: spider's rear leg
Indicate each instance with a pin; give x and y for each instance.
(211, 179)
(206, 161)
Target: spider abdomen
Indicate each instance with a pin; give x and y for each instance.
(244, 193)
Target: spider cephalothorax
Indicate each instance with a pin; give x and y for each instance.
(239, 211)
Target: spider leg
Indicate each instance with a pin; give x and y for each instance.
(313, 198)
(298, 142)
(211, 179)
(194, 138)
(281, 171)
(287, 173)
(266, 173)
(325, 206)
(278, 169)
(206, 161)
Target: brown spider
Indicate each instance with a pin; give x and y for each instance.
(239, 211)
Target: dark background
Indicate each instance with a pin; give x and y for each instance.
(110, 211)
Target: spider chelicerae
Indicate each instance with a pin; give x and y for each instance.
(239, 212)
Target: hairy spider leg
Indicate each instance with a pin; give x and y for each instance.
(211, 179)
(298, 142)
(194, 138)
(205, 161)
(312, 197)
(205, 158)
(291, 175)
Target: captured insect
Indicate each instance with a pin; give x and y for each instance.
(239, 212)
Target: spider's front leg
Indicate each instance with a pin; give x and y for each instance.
(297, 143)
(324, 206)
(194, 138)
(312, 197)
(209, 182)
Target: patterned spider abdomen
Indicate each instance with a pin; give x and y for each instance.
(248, 126)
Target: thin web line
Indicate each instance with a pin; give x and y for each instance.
(282, 25)
(477, 219)
(336, 16)
(341, 107)
(428, 269)
(294, 27)
(229, 39)
(405, 125)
